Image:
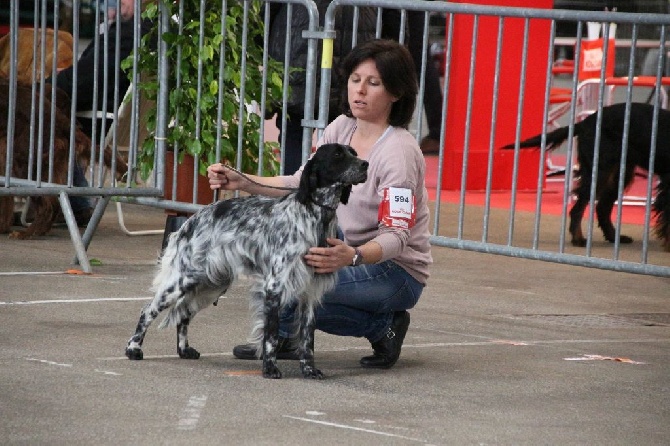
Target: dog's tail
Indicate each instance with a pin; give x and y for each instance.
(554, 139)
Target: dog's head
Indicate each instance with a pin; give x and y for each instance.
(332, 165)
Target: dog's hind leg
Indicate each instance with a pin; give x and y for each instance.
(604, 213)
(164, 298)
(306, 345)
(607, 194)
(184, 312)
(576, 214)
(147, 315)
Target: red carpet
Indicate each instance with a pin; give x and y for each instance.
(552, 196)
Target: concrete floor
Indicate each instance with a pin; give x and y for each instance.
(500, 351)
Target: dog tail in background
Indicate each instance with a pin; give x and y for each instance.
(554, 139)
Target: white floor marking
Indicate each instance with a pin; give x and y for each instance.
(32, 273)
(106, 372)
(604, 358)
(75, 301)
(493, 342)
(360, 429)
(191, 413)
(44, 361)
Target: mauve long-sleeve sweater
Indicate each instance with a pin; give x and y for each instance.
(395, 161)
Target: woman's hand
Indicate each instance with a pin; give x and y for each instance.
(330, 259)
(221, 177)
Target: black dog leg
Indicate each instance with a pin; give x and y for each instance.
(184, 351)
(576, 214)
(134, 347)
(162, 300)
(306, 346)
(604, 214)
(271, 336)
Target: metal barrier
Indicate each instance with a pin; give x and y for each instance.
(43, 143)
(464, 217)
(511, 230)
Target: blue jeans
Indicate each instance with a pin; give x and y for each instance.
(79, 203)
(293, 143)
(363, 301)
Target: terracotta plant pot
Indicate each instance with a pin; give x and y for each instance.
(185, 181)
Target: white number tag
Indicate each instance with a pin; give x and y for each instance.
(397, 208)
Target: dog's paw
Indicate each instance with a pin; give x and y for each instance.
(625, 239)
(271, 371)
(188, 353)
(309, 372)
(134, 353)
(579, 242)
(19, 235)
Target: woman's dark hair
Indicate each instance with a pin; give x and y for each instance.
(396, 68)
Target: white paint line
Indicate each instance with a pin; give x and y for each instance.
(106, 372)
(32, 273)
(358, 420)
(44, 361)
(492, 343)
(75, 301)
(71, 273)
(604, 358)
(191, 413)
(171, 356)
(360, 429)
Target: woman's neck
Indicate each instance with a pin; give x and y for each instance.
(366, 135)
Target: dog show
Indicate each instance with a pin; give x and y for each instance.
(398, 221)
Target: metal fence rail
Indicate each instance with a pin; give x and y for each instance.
(465, 216)
(523, 234)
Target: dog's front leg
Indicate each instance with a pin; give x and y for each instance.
(306, 345)
(271, 336)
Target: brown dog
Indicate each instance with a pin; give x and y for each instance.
(45, 206)
(609, 160)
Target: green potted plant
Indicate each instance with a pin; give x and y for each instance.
(187, 135)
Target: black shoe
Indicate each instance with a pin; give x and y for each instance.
(430, 146)
(387, 351)
(284, 351)
(82, 217)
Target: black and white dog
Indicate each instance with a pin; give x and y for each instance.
(266, 239)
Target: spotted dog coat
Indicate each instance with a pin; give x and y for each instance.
(266, 239)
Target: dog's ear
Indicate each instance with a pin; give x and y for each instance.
(344, 196)
(307, 183)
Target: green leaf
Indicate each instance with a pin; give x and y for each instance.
(214, 87)
(194, 147)
(183, 100)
